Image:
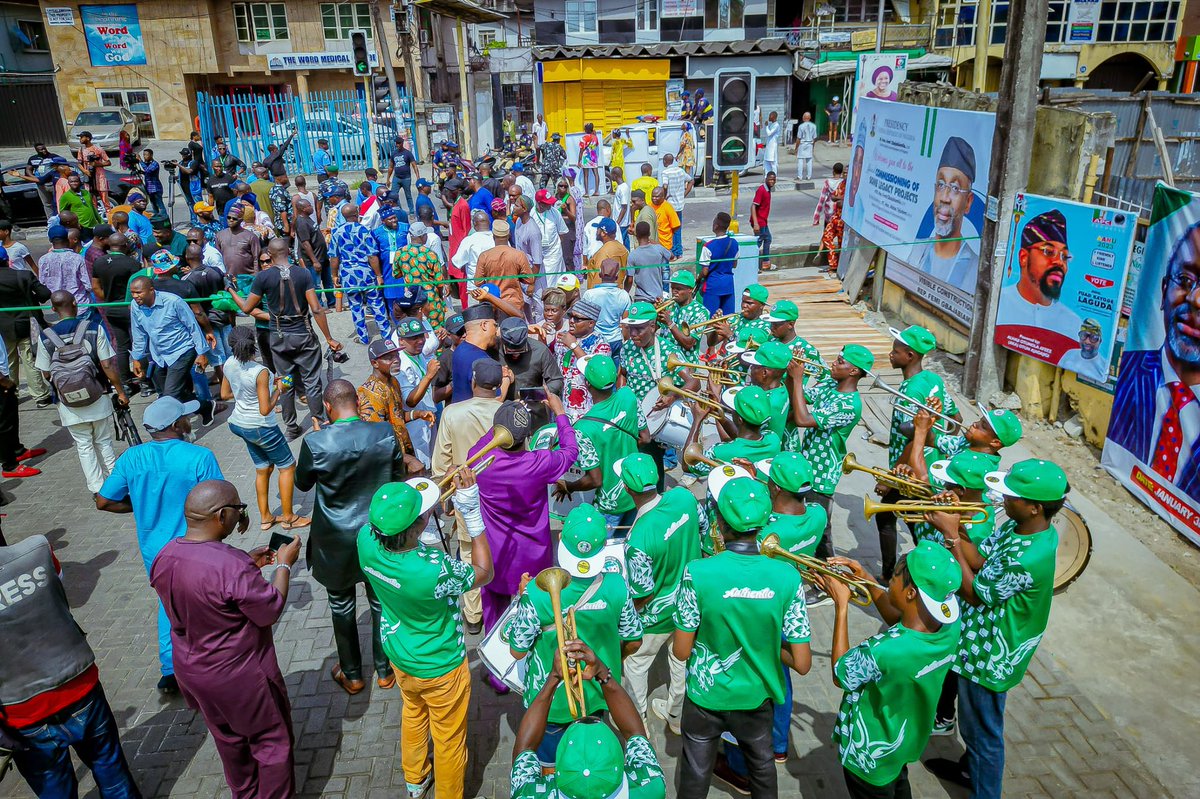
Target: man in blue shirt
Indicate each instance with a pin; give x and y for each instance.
(424, 189)
(322, 160)
(479, 336)
(354, 260)
(154, 187)
(165, 330)
(481, 198)
(718, 257)
(151, 481)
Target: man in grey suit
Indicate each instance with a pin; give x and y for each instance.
(347, 461)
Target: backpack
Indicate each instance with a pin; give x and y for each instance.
(74, 372)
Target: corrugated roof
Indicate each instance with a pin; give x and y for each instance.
(661, 49)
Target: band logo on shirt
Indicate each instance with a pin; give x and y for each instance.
(749, 593)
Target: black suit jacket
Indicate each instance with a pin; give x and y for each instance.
(19, 287)
(347, 463)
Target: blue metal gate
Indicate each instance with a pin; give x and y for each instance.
(249, 123)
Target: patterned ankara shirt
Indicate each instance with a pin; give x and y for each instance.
(353, 244)
(418, 265)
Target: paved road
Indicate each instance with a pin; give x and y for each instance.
(1061, 743)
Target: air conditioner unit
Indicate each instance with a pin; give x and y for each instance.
(424, 37)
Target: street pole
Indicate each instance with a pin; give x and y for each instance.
(369, 122)
(983, 37)
(1012, 152)
(385, 58)
(460, 38)
(879, 27)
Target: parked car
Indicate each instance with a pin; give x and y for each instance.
(105, 123)
(23, 202)
(344, 133)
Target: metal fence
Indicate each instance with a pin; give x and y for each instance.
(357, 139)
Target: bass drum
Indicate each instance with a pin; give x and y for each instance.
(1074, 544)
(670, 425)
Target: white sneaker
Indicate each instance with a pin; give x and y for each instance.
(419, 791)
(943, 727)
(659, 706)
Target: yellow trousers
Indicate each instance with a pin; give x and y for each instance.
(436, 707)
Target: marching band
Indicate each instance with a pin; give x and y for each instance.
(725, 583)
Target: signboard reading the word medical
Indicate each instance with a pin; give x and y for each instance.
(114, 35)
(1060, 297)
(1153, 444)
(280, 62)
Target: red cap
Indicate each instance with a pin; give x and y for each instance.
(544, 196)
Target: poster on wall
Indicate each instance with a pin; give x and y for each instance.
(1082, 21)
(879, 76)
(1060, 295)
(674, 98)
(1153, 442)
(114, 35)
(918, 186)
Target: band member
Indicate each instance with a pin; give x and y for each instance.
(827, 414)
(750, 320)
(732, 611)
(991, 432)
(909, 347)
(686, 310)
(609, 431)
(665, 537)
(590, 762)
(782, 320)
(744, 437)
(768, 365)
(891, 681)
(605, 620)
(1007, 585)
(422, 630)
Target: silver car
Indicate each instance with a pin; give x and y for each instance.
(105, 123)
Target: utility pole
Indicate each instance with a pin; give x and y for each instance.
(385, 58)
(879, 27)
(1012, 152)
(983, 37)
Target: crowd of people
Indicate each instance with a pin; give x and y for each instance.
(526, 361)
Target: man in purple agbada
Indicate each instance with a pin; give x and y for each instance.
(515, 500)
(221, 612)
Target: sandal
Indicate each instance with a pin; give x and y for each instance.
(297, 523)
(267, 525)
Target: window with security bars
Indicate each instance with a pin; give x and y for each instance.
(956, 23)
(260, 22)
(338, 19)
(647, 15)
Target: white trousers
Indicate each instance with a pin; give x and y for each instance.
(94, 442)
(636, 669)
(804, 168)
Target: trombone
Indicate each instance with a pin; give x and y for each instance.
(688, 330)
(553, 580)
(915, 510)
(501, 437)
(950, 421)
(725, 377)
(907, 487)
(667, 386)
(860, 593)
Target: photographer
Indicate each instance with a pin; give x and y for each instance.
(92, 159)
(150, 178)
(190, 181)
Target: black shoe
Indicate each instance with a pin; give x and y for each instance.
(474, 627)
(292, 433)
(723, 772)
(168, 685)
(45, 402)
(209, 411)
(147, 390)
(947, 770)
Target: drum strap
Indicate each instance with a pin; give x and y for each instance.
(584, 598)
(609, 423)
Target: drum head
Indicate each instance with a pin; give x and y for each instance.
(1074, 547)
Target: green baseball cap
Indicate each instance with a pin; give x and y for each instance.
(684, 278)
(791, 471)
(581, 546)
(638, 472)
(752, 404)
(915, 337)
(937, 577)
(967, 469)
(858, 355)
(743, 502)
(410, 328)
(757, 292)
(599, 370)
(771, 354)
(639, 313)
(590, 762)
(1035, 480)
(1004, 424)
(783, 311)
(396, 506)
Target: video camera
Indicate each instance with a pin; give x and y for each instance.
(170, 165)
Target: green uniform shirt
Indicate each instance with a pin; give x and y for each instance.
(643, 774)
(921, 387)
(892, 682)
(768, 446)
(799, 535)
(662, 541)
(607, 619)
(780, 421)
(609, 443)
(693, 313)
(740, 607)
(1015, 585)
(644, 367)
(760, 328)
(836, 415)
(418, 589)
(807, 350)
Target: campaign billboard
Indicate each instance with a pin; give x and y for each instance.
(114, 35)
(879, 76)
(1060, 295)
(1153, 443)
(918, 187)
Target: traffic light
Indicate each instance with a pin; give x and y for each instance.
(381, 93)
(358, 43)
(733, 105)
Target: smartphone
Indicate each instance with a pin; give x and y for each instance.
(532, 394)
(280, 540)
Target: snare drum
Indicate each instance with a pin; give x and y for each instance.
(670, 426)
(498, 658)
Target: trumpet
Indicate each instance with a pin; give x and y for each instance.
(694, 453)
(663, 306)
(812, 367)
(667, 386)
(907, 487)
(860, 593)
(726, 377)
(915, 510)
(501, 437)
(688, 330)
(950, 422)
(553, 580)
